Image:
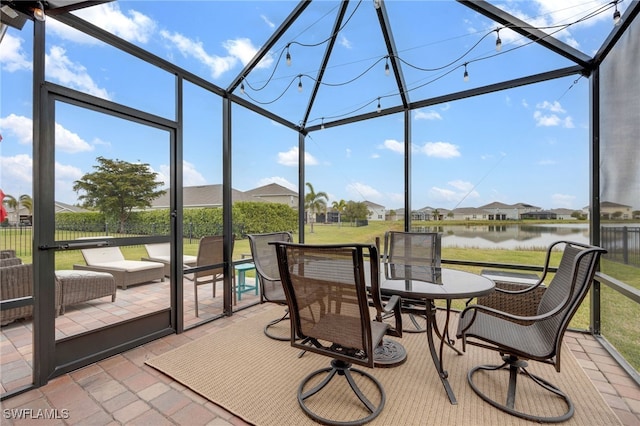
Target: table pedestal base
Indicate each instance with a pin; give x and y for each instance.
(389, 354)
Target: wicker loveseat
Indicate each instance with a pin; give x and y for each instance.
(15, 282)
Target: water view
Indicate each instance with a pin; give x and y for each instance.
(517, 236)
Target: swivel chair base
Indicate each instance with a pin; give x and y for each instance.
(517, 366)
(342, 369)
(270, 335)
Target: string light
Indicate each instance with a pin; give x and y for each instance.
(386, 67)
(322, 124)
(498, 41)
(242, 88)
(466, 73)
(616, 16)
(300, 83)
(379, 107)
(288, 57)
(38, 12)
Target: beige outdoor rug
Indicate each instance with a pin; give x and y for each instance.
(256, 378)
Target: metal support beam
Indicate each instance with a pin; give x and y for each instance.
(529, 31)
(385, 26)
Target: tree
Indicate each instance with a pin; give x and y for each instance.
(436, 214)
(339, 206)
(117, 187)
(27, 203)
(356, 211)
(315, 203)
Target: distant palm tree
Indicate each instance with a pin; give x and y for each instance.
(27, 203)
(340, 207)
(315, 202)
(436, 214)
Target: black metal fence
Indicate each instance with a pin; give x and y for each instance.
(622, 244)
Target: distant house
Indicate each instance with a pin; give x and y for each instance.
(564, 214)
(610, 210)
(204, 196)
(470, 213)
(376, 211)
(540, 215)
(501, 211)
(276, 194)
(67, 208)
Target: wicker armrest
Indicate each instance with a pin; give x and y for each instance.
(522, 304)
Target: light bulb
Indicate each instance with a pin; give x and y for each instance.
(242, 88)
(379, 107)
(498, 44)
(299, 84)
(38, 12)
(288, 58)
(466, 74)
(386, 69)
(616, 17)
(322, 124)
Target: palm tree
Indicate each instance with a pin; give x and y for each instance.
(436, 214)
(339, 206)
(315, 202)
(27, 203)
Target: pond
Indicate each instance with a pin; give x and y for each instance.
(517, 236)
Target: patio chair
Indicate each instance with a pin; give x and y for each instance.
(535, 336)
(162, 253)
(210, 253)
(266, 261)
(125, 272)
(412, 255)
(328, 300)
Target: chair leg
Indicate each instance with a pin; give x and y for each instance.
(274, 322)
(341, 368)
(195, 293)
(516, 367)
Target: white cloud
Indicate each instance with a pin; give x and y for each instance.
(59, 67)
(440, 150)
(427, 115)
(394, 145)
(132, 25)
(267, 21)
(551, 106)
(344, 42)
(551, 120)
(244, 50)
(194, 49)
(279, 180)
(21, 128)
(348, 152)
(17, 174)
(239, 50)
(12, 55)
(68, 141)
(462, 190)
(563, 200)
(461, 185)
(363, 191)
(290, 158)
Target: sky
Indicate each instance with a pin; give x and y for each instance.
(528, 144)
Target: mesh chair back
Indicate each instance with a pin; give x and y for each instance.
(412, 255)
(266, 261)
(568, 288)
(210, 252)
(328, 304)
